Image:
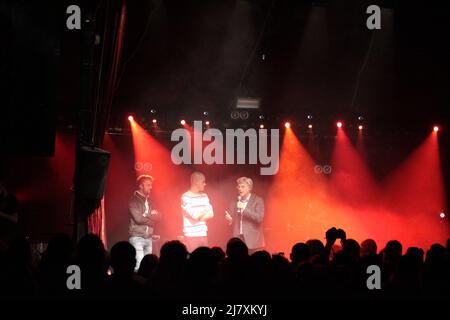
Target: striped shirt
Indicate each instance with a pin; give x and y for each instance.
(193, 205)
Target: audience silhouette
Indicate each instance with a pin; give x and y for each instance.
(314, 271)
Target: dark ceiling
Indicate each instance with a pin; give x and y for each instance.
(298, 57)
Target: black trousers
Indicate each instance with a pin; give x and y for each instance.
(250, 251)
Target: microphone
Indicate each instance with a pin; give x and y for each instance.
(239, 209)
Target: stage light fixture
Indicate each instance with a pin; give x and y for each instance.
(183, 122)
(244, 115)
(309, 116)
(205, 113)
(435, 128)
(130, 118)
(152, 111)
(442, 215)
(234, 115)
(310, 126)
(261, 117)
(287, 124)
(339, 124)
(360, 118)
(360, 127)
(154, 121)
(207, 123)
(261, 126)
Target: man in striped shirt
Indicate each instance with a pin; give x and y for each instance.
(196, 210)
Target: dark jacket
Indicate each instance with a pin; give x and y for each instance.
(252, 222)
(141, 226)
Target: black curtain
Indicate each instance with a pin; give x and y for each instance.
(102, 40)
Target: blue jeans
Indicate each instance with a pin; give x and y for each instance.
(143, 247)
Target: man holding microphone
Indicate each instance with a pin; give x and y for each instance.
(246, 215)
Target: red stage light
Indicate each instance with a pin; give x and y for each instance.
(442, 215)
(207, 123)
(360, 127)
(310, 126)
(287, 124)
(339, 124)
(183, 122)
(130, 118)
(154, 121)
(435, 128)
(261, 126)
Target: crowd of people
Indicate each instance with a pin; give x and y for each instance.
(313, 270)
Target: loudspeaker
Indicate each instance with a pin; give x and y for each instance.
(91, 172)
